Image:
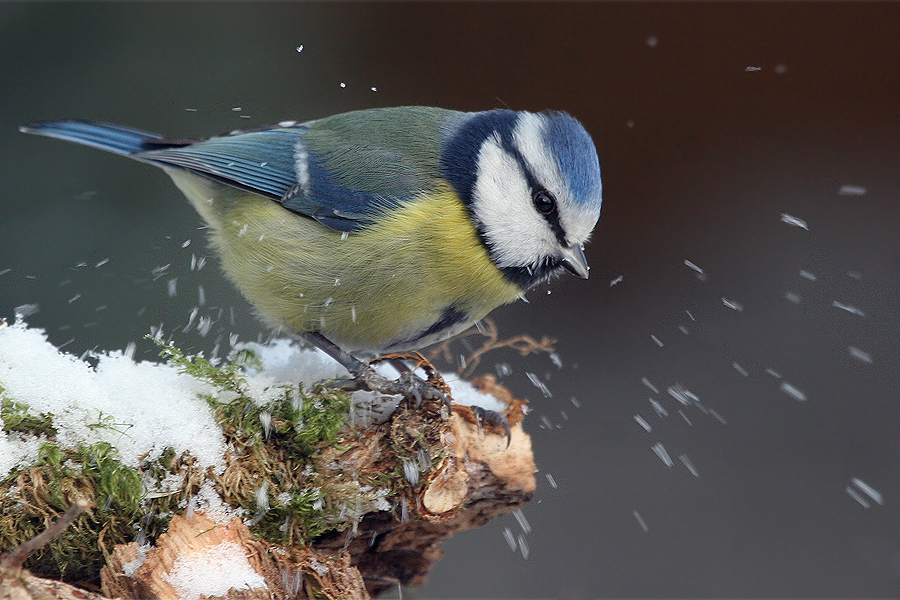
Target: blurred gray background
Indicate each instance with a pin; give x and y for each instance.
(711, 120)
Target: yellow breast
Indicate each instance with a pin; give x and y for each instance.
(363, 290)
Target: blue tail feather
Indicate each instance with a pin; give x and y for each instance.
(112, 138)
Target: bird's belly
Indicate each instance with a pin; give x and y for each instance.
(415, 278)
(361, 292)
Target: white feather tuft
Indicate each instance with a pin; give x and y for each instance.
(301, 165)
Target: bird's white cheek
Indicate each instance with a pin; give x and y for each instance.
(502, 203)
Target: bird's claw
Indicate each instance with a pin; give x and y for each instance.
(493, 418)
(412, 386)
(407, 385)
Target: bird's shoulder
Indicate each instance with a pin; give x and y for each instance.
(379, 150)
(353, 166)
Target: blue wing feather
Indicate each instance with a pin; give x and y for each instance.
(260, 161)
(332, 203)
(266, 162)
(342, 171)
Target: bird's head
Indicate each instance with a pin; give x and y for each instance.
(531, 183)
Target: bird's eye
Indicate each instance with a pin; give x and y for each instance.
(544, 202)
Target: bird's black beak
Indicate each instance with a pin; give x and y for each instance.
(572, 258)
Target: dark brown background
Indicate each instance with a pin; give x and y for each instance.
(700, 157)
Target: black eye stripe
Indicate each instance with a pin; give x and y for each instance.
(553, 220)
(459, 165)
(543, 198)
(552, 217)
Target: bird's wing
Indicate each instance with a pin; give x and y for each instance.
(341, 171)
(261, 162)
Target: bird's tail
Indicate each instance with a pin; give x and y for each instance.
(112, 138)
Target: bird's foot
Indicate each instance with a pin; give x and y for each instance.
(493, 419)
(432, 388)
(407, 385)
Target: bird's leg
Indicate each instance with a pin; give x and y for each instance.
(434, 379)
(365, 377)
(399, 364)
(347, 360)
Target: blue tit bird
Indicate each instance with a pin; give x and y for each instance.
(381, 230)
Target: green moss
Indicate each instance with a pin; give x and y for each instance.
(46, 489)
(274, 444)
(17, 419)
(297, 516)
(227, 377)
(279, 441)
(158, 469)
(297, 422)
(333, 502)
(300, 422)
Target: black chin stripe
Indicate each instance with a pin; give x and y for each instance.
(530, 276)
